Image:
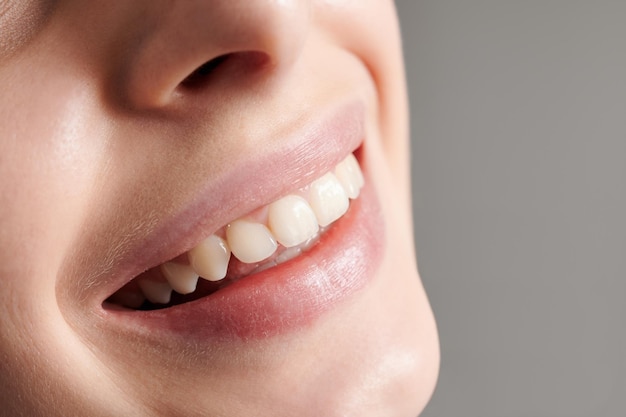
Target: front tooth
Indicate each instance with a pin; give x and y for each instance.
(292, 220)
(156, 292)
(328, 199)
(250, 242)
(349, 174)
(210, 258)
(182, 278)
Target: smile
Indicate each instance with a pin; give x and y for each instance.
(265, 238)
(305, 233)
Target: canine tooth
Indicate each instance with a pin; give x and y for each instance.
(292, 220)
(210, 258)
(328, 199)
(182, 278)
(156, 292)
(250, 242)
(349, 174)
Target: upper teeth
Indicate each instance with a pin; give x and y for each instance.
(210, 258)
(293, 221)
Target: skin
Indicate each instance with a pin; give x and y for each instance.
(100, 135)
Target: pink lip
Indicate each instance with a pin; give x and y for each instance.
(289, 295)
(284, 298)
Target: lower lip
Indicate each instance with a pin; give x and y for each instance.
(285, 298)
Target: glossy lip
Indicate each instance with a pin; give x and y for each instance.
(289, 295)
(286, 297)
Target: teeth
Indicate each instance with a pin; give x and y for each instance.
(349, 174)
(210, 258)
(156, 292)
(182, 278)
(292, 220)
(250, 242)
(328, 199)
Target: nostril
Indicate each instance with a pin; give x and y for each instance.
(233, 64)
(204, 71)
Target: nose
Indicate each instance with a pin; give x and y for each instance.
(182, 44)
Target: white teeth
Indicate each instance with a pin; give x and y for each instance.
(182, 278)
(210, 258)
(349, 174)
(250, 242)
(328, 199)
(292, 220)
(156, 292)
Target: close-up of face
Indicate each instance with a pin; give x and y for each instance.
(206, 211)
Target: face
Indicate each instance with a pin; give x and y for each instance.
(205, 211)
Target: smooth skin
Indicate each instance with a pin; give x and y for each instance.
(104, 131)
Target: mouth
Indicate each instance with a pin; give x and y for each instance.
(265, 238)
(274, 267)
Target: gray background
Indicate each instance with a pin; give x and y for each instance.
(519, 147)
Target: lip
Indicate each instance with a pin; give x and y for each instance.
(286, 297)
(289, 295)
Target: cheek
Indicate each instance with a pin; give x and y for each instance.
(370, 30)
(49, 152)
(19, 20)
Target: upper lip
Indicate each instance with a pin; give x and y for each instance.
(304, 154)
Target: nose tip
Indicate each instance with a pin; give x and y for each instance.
(185, 40)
